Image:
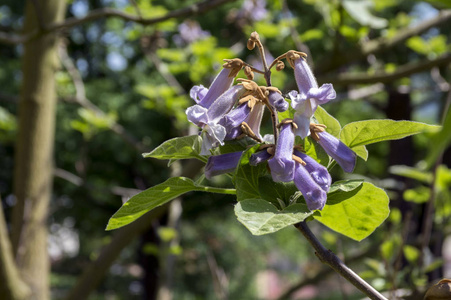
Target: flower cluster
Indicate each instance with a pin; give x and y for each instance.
(226, 112)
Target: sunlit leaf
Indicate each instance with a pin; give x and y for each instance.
(262, 217)
(178, 148)
(355, 214)
(373, 131)
(156, 196)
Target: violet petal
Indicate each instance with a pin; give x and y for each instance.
(317, 171)
(282, 164)
(314, 195)
(342, 154)
(221, 164)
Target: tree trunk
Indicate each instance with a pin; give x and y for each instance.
(34, 147)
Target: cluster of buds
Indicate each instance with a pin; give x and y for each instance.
(226, 112)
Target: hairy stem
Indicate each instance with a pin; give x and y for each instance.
(329, 258)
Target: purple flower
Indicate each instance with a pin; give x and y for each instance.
(255, 9)
(198, 92)
(259, 157)
(276, 100)
(314, 195)
(309, 96)
(189, 31)
(223, 81)
(282, 164)
(221, 164)
(342, 154)
(317, 171)
(208, 119)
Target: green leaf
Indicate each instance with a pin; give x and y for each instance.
(323, 117)
(357, 213)
(272, 191)
(143, 202)
(345, 185)
(361, 152)
(246, 176)
(315, 151)
(178, 148)
(262, 217)
(411, 253)
(235, 146)
(410, 172)
(156, 196)
(360, 11)
(373, 131)
(419, 194)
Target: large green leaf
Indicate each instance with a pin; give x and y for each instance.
(373, 131)
(357, 213)
(156, 196)
(323, 117)
(279, 193)
(262, 217)
(178, 148)
(246, 176)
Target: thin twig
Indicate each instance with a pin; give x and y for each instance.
(381, 44)
(328, 257)
(428, 217)
(194, 9)
(384, 77)
(80, 98)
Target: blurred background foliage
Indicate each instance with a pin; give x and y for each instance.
(132, 94)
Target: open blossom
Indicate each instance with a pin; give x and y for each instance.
(309, 96)
(282, 164)
(208, 119)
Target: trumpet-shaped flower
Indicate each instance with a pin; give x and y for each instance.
(221, 164)
(223, 81)
(315, 196)
(309, 96)
(282, 164)
(335, 148)
(259, 157)
(317, 171)
(208, 119)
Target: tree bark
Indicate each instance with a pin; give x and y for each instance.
(34, 146)
(12, 287)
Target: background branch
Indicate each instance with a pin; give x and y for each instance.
(381, 44)
(194, 9)
(384, 77)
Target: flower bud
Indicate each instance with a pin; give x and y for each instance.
(248, 72)
(250, 44)
(280, 65)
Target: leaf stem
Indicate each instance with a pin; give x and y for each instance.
(329, 258)
(216, 190)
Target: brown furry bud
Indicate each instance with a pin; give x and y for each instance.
(280, 65)
(248, 72)
(250, 44)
